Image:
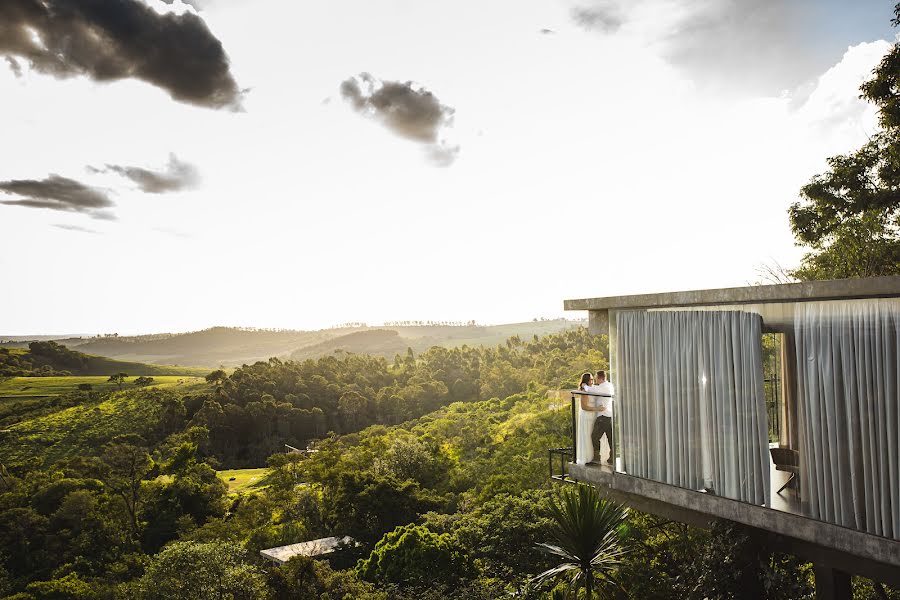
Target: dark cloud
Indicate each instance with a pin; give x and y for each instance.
(546, 31)
(179, 175)
(406, 108)
(107, 41)
(75, 228)
(58, 193)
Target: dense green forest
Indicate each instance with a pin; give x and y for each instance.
(431, 459)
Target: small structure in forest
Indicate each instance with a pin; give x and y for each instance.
(311, 548)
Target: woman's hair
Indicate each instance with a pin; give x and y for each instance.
(585, 379)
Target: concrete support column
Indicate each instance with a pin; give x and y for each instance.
(598, 322)
(831, 584)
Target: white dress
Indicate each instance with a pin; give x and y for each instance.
(584, 445)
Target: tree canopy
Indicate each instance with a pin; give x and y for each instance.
(850, 215)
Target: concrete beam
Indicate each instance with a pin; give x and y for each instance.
(879, 551)
(839, 289)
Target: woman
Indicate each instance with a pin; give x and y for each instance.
(587, 415)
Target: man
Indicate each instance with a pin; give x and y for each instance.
(603, 425)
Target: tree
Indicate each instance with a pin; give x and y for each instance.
(585, 535)
(201, 571)
(85, 387)
(126, 462)
(117, 378)
(217, 376)
(369, 505)
(850, 215)
(143, 381)
(70, 587)
(413, 554)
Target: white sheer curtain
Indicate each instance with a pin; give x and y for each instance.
(691, 403)
(848, 359)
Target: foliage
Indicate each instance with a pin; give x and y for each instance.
(51, 359)
(99, 485)
(413, 554)
(850, 215)
(671, 560)
(585, 534)
(369, 505)
(118, 379)
(426, 463)
(500, 533)
(201, 571)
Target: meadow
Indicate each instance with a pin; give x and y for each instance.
(42, 387)
(245, 480)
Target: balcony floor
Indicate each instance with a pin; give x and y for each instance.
(787, 501)
(783, 517)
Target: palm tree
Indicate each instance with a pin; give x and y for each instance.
(585, 535)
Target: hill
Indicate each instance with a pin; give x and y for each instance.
(208, 348)
(224, 346)
(376, 342)
(48, 358)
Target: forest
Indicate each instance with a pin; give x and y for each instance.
(438, 458)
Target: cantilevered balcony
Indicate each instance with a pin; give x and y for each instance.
(773, 406)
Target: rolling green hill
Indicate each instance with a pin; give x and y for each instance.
(47, 358)
(223, 346)
(82, 430)
(27, 387)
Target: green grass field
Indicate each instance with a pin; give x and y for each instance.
(245, 480)
(25, 387)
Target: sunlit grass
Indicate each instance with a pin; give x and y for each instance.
(245, 480)
(19, 387)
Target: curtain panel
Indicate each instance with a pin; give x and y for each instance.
(691, 400)
(848, 360)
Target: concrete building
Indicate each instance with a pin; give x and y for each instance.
(312, 548)
(774, 406)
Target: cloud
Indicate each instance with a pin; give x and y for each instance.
(75, 228)
(14, 66)
(58, 193)
(179, 175)
(759, 46)
(407, 109)
(195, 3)
(833, 104)
(107, 41)
(604, 17)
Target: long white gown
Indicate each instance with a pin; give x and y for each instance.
(584, 445)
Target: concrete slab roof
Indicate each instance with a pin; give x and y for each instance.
(312, 548)
(837, 289)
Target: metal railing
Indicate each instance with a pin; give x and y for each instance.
(569, 452)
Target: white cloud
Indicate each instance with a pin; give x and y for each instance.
(834, 106)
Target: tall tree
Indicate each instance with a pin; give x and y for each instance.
(850, 215)
(126, 462)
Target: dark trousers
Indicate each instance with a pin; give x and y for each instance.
(603, 425)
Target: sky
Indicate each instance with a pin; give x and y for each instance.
(169, 167)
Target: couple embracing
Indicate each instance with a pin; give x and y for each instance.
(594, 417)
